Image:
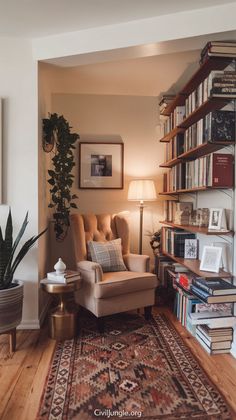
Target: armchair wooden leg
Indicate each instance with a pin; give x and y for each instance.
(100, 325)
(148, 312)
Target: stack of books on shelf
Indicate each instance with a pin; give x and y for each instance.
(67, 277)
(222, 49)
(214, 290)
(173, 241)
(215, 340)
(165, 101)
(213, 170)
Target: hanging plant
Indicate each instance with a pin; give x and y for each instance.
(58, 138)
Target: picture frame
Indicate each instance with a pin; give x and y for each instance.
(215, 218)
(211, 259)
(101, 165)
(191, 249)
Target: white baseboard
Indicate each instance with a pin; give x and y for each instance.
(35, 324)
(32, 324)
(44, 311)
(233, 351)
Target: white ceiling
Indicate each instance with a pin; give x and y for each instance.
(36, 18)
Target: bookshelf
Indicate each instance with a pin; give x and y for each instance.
(213, 103)
(198, 229)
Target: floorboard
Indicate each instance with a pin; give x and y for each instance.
(23, 374)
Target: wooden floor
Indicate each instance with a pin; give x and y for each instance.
(23, 374)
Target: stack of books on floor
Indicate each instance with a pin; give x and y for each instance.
(215, 340)
(214, 290)
(67, 277)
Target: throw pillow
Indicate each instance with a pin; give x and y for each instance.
(107, 254)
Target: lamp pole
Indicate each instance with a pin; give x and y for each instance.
(141, 206)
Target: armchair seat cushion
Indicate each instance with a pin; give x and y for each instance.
(123, 282)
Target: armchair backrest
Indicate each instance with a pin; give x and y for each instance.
(101, 227)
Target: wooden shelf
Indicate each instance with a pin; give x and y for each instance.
(170, 163)
(213, 63)
(171, 134)
(194, 266)
(202, 110)
(198, 151)
(185, 191)
(204, 149)
(197, 229)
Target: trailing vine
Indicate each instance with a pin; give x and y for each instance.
(57, 135)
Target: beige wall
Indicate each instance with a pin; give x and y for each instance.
(133, 120)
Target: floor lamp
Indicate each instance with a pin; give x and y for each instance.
(141, 190)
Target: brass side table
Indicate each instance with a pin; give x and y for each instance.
(63, 318)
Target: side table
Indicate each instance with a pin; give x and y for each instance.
(63, 318)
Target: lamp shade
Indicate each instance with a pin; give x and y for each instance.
(142, 190)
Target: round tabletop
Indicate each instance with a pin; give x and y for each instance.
(60, 288)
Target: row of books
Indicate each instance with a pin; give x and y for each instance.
(217, 126)
(182, 213)
(213, 170)
(205, 89)
(173, 241)
(175, 119)
(224, 49)
(214, 290)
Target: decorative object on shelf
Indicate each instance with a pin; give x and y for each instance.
(11, 291)
(202, 219)
(217, 219)
(60, 267)
(141, 190)
(56, 131)
(211, 259)
(225, 264)
(155, 241)
(191, 248)
(101, 165)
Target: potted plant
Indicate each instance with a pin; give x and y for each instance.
(11, 290)
(58, 138)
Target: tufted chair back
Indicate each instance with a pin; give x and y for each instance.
(101, 227)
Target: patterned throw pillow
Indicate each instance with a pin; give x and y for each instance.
(107, 254)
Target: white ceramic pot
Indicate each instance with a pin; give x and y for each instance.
(11, 302)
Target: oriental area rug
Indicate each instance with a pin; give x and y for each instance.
(136, 369)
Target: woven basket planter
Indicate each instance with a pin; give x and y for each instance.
(11, 302)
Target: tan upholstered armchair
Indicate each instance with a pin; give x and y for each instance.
(105, 293)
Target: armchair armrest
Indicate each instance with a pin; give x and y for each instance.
(91, 272)
(136, 262)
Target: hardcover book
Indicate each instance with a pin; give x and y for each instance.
(220, 170)
(208, 298)
(219, 125)
(215, 286)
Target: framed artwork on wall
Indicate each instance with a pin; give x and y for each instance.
(101, 165)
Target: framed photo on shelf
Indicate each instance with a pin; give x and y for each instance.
(190, 248)
(211, 259)
(101, 165)
(216, 219)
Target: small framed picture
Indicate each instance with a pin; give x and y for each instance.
(211, 259)
(190, 248)
(215, 219)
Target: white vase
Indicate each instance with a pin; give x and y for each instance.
(60, 267)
